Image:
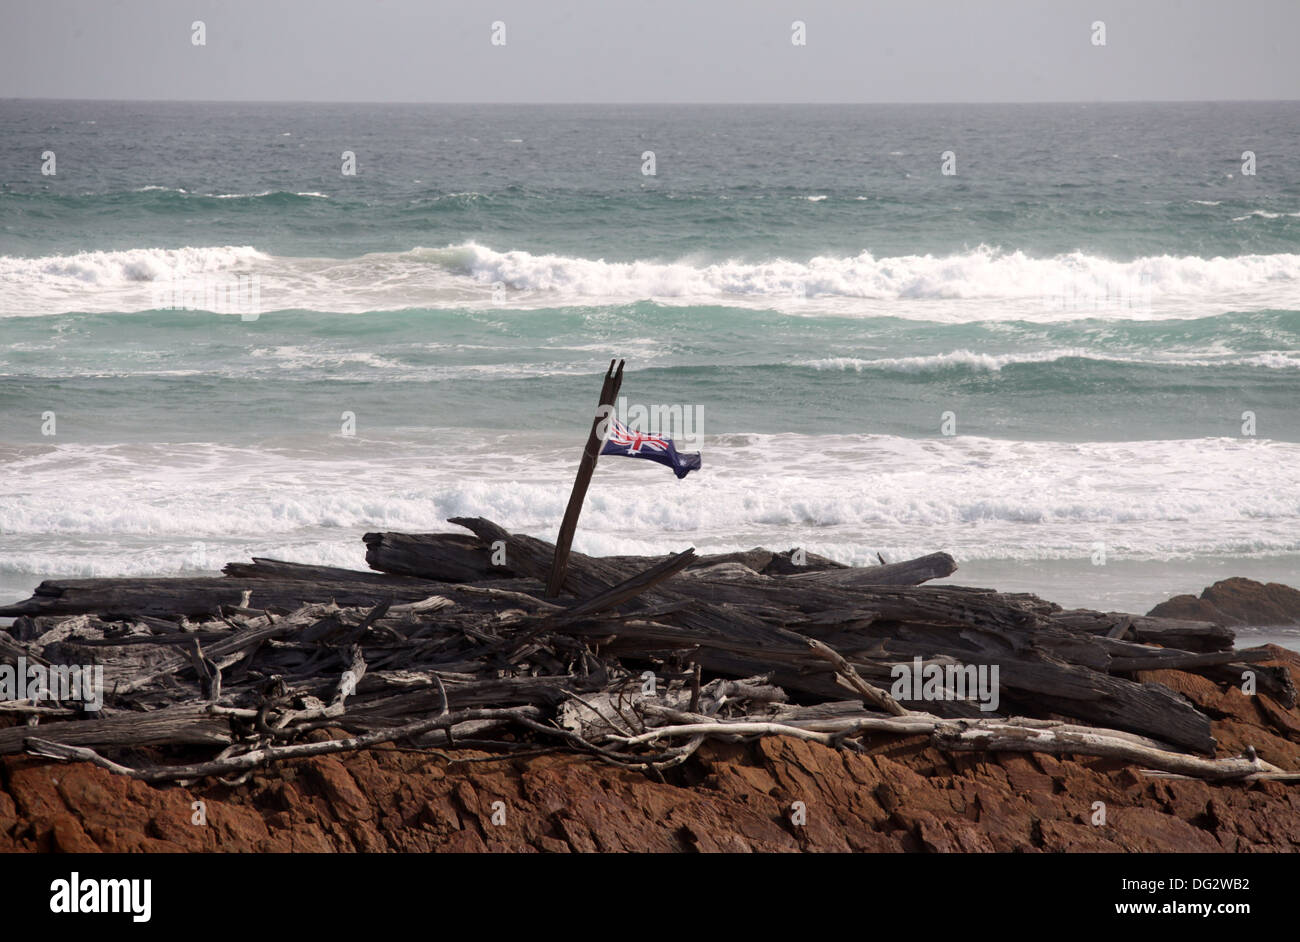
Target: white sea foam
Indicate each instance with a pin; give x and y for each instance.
(983, 284)
(112, 281)
(845, 496)
(1264, 214)
(994, 362)
(957, 359)
(982, 274)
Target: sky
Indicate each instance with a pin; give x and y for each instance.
(635, 51)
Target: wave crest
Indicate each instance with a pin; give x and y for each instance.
(982, 284)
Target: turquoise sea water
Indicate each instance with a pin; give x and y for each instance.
(1099, 298)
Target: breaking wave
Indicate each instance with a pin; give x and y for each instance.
(982, 284)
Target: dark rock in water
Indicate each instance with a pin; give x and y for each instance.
(1237, 601)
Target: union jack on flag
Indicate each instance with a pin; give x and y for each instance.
(633, 444)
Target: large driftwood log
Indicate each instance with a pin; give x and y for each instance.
(911, 572)
(444, 557)
(197, 597)
(188, 723)
(452, 557)
(1202, 636)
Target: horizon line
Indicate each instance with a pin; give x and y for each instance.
(635, 104)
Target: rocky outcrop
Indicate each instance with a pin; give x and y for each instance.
(901, 795)
(1236, 601)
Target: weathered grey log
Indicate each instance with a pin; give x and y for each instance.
(764, 561)
(451, 557)
(1164, 659)
(197, 597)
(279, 570)
(185, 724)
(980, 735)
(48, 745)
(1201, 636)
(1274, 681)
(534, 558)
(911, 572)
(445, 557)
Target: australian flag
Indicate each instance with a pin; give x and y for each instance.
(632, 444)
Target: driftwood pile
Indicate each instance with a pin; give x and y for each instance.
(452, 642)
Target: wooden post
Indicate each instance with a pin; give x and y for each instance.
(608, 393)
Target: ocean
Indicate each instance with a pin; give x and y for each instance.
(1099, 305)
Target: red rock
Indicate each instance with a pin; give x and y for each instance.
(1236, 601)
(338, 786)
(1283, 721)
(68, 837)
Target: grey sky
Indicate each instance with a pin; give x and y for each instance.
(651, 51)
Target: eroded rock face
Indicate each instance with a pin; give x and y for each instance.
(903, 795)
(743, 801)
(1237, 601)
